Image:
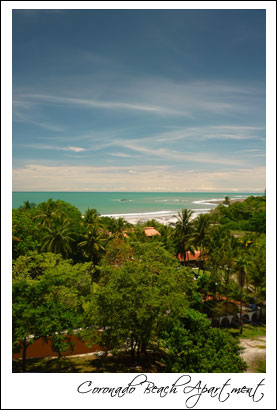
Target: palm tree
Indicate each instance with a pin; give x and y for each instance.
(46, 213)
(183, 233)
(227, 260)
(91, 217)
(119, 227)
(57, 237)
(241, 268)
(137, 233)
(201, 232)
(93, 243)
(28, 205)
(226, 200)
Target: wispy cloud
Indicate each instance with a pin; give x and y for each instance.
(199, 157)
(89, 103)
(52, 147)
(156, 95)
(208, 132)
(74, 149)
(120, 154)
(23, 111)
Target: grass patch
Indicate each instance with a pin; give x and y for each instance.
(239, 232)
(261, 366)
(250, 331)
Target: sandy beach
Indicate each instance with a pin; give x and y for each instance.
(168, 218)
(218, 202)
(165, 219)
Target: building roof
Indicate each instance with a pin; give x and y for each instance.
(190, 256)
(150, 231)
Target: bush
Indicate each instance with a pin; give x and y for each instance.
(193, 346)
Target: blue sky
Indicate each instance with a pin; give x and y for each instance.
(142, 100)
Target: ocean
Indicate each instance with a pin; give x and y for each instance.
(132, 203)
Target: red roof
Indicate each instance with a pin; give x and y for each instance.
(150, 231)
(190, 256)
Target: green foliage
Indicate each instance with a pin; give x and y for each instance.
(57, 237)
(257, 266)
(117, 252)
(249, 215)
(92, 244)
(183, 234)
(25, 232)
(48, 298)
(257, 223)
(128, 289)
(45, 211)
(34, 265)
(153, 252)
(193, 346)
(134, 303)
(40, 310)
(226, 200)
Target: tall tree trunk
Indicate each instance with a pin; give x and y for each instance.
(132, 344)
(138, 350)
(227, 285)
(241, 320)
(226, 306)
(143, 347)
(200, 260)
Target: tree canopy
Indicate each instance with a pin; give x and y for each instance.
(130, 292)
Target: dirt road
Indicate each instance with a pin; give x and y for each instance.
(255, 351)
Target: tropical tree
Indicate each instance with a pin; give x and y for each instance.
(117, 252)
(137, 233)
(28, 205)
(201, 234)
(93, 243)
(57, 237)
(226, 200)
(133, 303)
(241, 268)
(257, 266)
(91, 217)
(183, 234)
(46, 211)
(194, 346)
(48, 298)
(25, 232)
(119, 227)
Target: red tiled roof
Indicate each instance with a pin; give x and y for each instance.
(190, 256)
(150, 231)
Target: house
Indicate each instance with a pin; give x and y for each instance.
(150, 231)
(191, 258)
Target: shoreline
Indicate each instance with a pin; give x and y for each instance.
(168, 217)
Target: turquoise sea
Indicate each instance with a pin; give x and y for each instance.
(131, 203)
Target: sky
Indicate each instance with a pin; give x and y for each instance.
(139, 100)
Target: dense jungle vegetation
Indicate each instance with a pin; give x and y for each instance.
(105, 280)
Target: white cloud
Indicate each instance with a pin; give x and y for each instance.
(209, 133)
(52, 147)
(74, 149)
(120, 154)
(38, 177)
